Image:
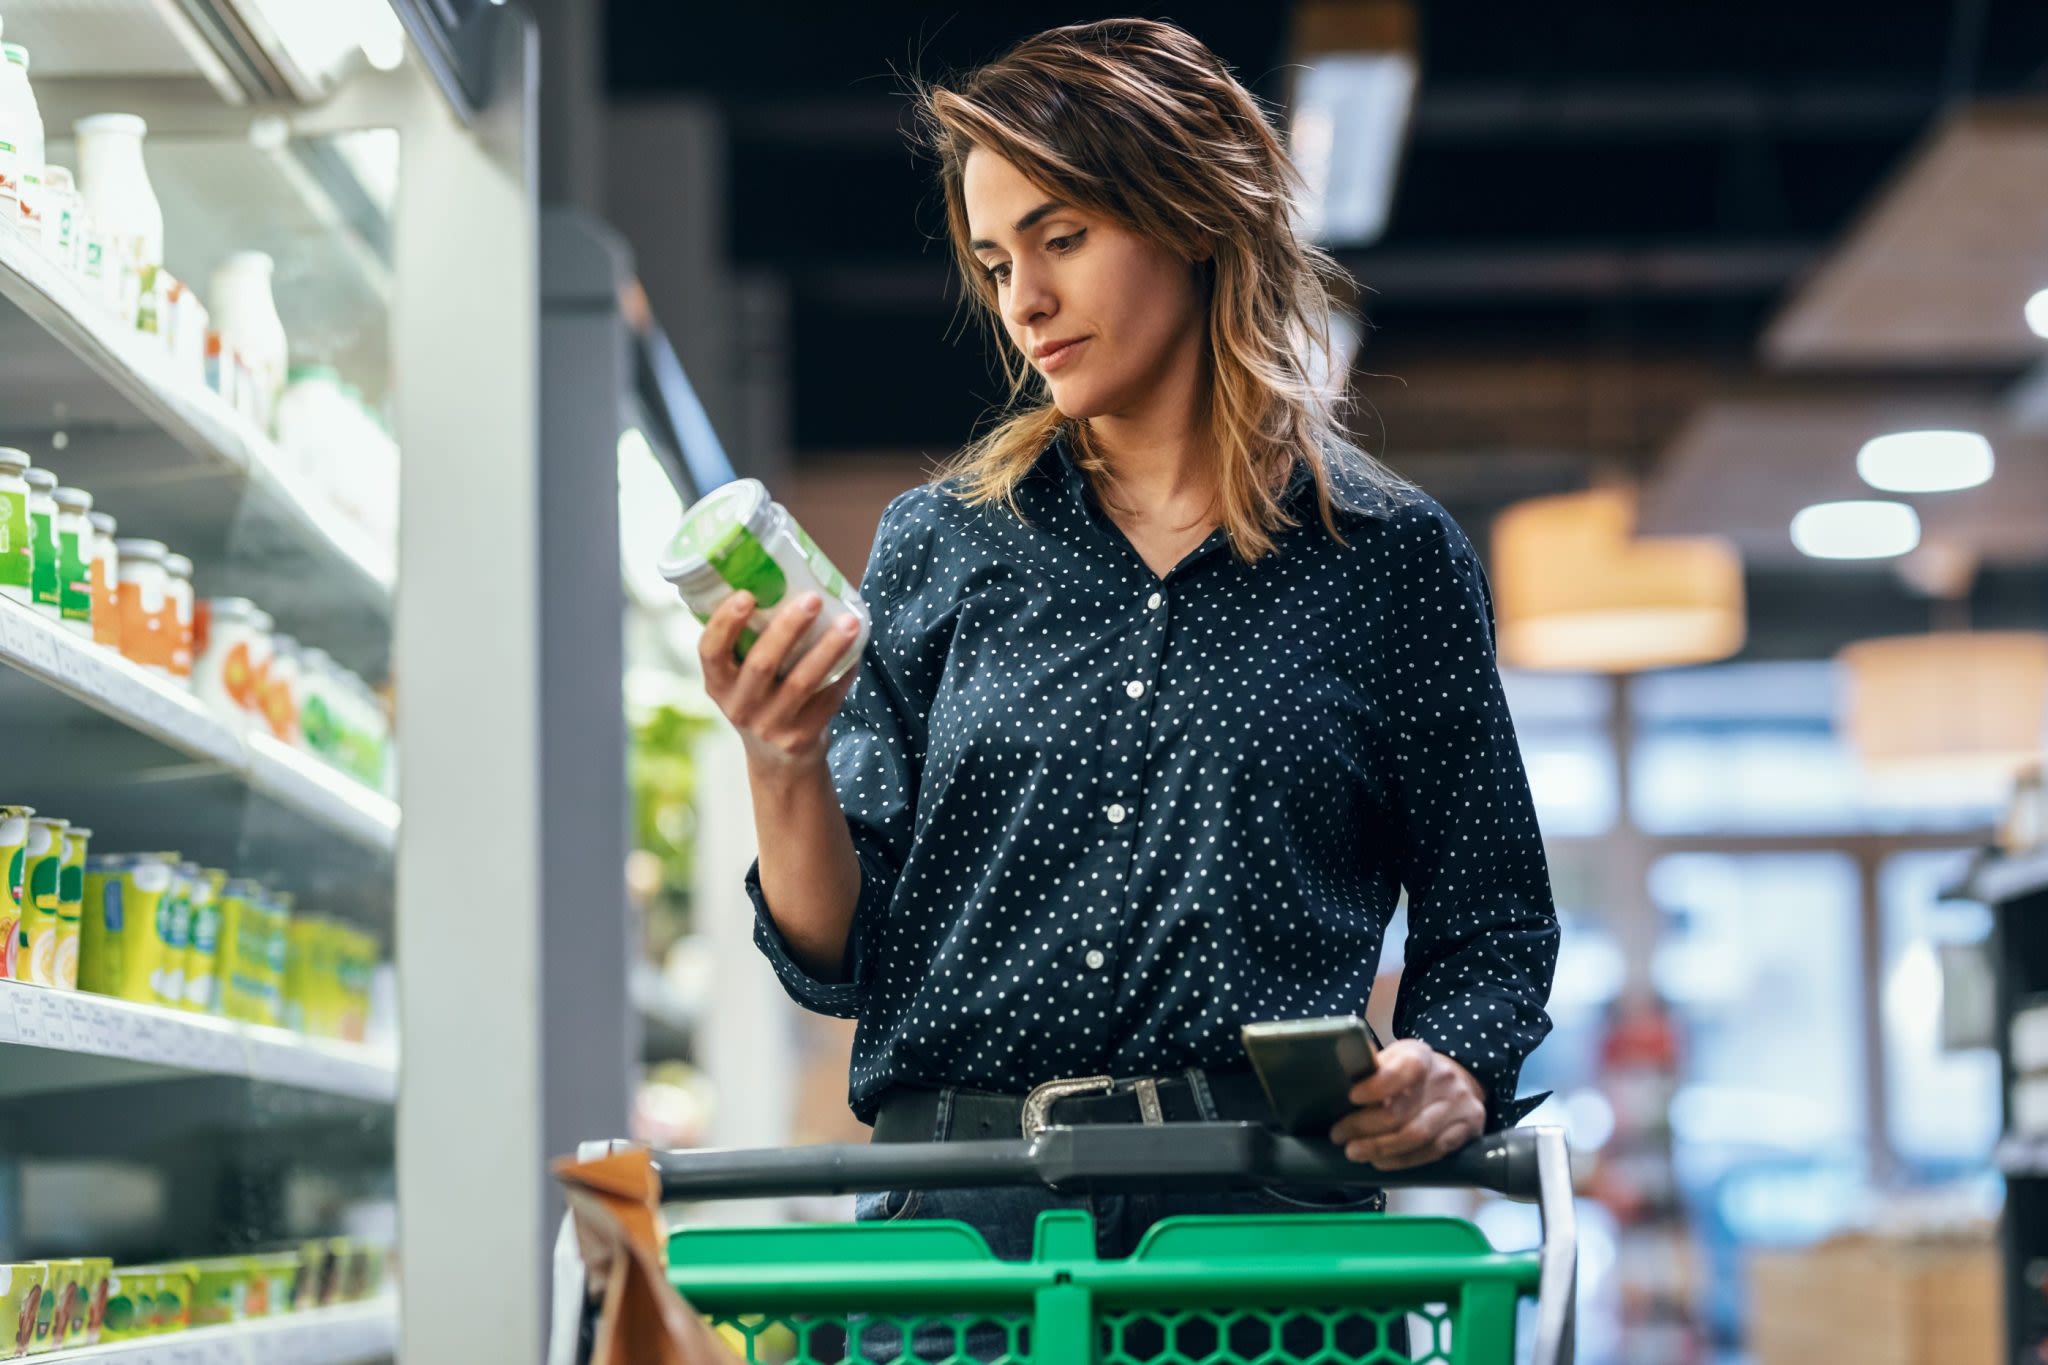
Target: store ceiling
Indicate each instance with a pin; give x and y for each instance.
(1603, 210)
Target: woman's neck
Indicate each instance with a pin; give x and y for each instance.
(1160, 455)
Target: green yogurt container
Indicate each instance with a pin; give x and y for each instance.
(736, 538)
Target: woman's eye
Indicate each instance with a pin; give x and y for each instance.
(1066, 243)
(999, 273)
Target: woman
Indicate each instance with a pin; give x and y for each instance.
(1171, 691)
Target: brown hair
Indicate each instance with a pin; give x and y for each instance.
(1137, 121)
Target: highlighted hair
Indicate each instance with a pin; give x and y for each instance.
(1138, 122)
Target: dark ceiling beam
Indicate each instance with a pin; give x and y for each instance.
(1470, 113)
(1601, 271)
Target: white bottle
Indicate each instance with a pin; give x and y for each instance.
(245, 315)
(115, 183)
(21, 141)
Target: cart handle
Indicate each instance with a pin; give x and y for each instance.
(1522, 1163)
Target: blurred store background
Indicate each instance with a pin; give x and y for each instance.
(1722, 329)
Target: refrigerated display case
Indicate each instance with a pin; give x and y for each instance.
(144, 1119)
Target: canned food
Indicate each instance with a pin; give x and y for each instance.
(174, 934)
(121, 945)
(13, 891)
(737, 538)
(43, 878)
(71, 905)
(21, 1299)
(90, 1318)
(204, 949)
(17, 538)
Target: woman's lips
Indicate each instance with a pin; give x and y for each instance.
(1064, 356)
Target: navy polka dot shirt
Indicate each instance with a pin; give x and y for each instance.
(1105, 818)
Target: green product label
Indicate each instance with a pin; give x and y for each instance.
(48, 592)
(17, 550)
(821, 567)
(746, 564)
(74, 577)
(316, 723)
(71, 885)
(206, 929)
(45, 884)
(95, 255)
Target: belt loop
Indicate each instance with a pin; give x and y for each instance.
(1198, 1081)
(942, 1118)
(1148, 1101)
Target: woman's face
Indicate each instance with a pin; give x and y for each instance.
(1132, 310)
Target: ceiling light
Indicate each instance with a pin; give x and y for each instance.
(1951, 711)
(1355, 79)
(1577, 590)
(1856, 530)
(2037, 313)
(1925, 461)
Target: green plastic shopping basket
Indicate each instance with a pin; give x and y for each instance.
(1310, 1289)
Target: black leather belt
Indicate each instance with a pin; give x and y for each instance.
(913, 1115)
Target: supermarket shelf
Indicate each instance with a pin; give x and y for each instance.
(79, 708)
(69, 1040)
(107, 409)
(349, 1334)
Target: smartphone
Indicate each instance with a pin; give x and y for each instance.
(1308, 1067)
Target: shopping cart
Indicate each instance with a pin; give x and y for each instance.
(1310, 1289)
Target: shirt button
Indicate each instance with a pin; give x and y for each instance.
(1135, 689)
(1153, 601)
(1116, 814)
(1095, 959)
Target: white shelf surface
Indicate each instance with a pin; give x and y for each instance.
(62, 1040)
(216, 489)
(348, 1334)
(90, 678)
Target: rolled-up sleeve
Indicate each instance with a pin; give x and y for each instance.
(876, 754)
(1482, 928)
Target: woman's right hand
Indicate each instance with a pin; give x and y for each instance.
(783, 721)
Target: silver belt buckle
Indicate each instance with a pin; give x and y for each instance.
(1038, 1104)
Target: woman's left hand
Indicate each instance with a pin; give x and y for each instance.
(1418, 1106)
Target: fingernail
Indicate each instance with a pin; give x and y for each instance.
(809, 603)
(742, 601)
(846, 625)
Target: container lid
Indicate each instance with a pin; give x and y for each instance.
(130, 125)
(318, 658)
(16, 812)
(141, 549)
(177, 566)
(103, 523)
(73, 499)
(243, 887)
(232, 609)
(296, 374)
(100, 861)
(713, 525)
(42, 480)
(16, 53)
(16, 460)
(52, 821)
(81, 831)
(248, 261)
(59, 178)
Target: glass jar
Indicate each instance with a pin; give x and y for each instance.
(178, 570)
(17, 543)
(738, 538)
(106, 579)
(74, 559)
(233, 658)
(145, 590)
(47, 589)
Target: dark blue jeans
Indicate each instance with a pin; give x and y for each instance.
(1007, 1218)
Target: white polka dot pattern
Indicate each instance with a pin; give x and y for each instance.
(1106, 818)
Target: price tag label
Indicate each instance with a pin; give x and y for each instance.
(8, 1031)
(57, 1022)
(28, 1017)
(87, 1035)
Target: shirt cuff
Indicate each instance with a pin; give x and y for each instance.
(841, 998)
(1497, 1069)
